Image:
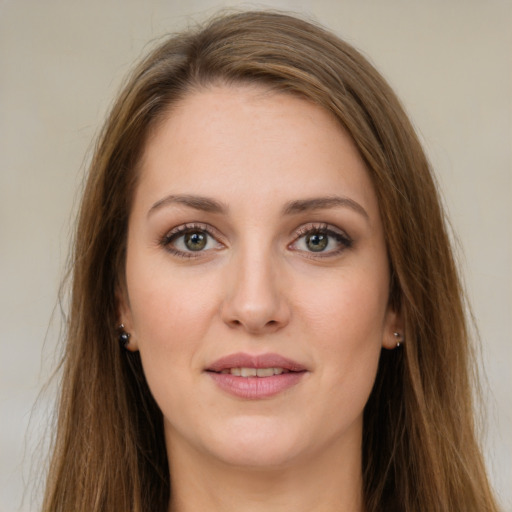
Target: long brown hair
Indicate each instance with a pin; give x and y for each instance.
(419, 447)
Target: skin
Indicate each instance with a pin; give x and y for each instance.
(257, 287)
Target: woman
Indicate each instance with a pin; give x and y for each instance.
(265, 313)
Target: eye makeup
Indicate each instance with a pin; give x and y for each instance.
(191, 239)
(320, 240)
(316, 240)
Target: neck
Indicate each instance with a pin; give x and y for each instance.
(331, 481)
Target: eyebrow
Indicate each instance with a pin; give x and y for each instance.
(207, 204)
(320, 203)
(201, 203)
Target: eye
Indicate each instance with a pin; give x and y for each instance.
(321, 240)
(316, 242)
(195, 240)
(186, 240)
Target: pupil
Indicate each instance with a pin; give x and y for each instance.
(195, 241)
(316, 242)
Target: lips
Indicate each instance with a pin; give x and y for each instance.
(242, 360)
(255, 376)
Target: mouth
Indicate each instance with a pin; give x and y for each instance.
(254, 372)
(255, 377)
(247, 363)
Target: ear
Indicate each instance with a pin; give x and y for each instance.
(393, 333)
(124, 318)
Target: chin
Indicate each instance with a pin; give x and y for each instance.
(251, 443)
(257, 455)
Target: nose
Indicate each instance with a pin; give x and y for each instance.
(254, 300)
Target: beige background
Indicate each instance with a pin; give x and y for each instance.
(60, 65)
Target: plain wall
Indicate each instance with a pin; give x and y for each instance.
(60, 66)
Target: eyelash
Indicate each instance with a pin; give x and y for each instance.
(344, 241)
(180, 231)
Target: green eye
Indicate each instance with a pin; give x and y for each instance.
(195, 240)
(317, 242)
(189, 240)
(321, 241)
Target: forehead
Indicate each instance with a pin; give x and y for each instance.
(248, 142)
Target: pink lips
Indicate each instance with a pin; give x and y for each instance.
(255, 387)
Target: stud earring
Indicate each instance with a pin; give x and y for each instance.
(124, 337)
(399, 338)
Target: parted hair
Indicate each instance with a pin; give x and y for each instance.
(420, 449)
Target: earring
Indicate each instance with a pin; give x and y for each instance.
(399, 338)
(124, 337)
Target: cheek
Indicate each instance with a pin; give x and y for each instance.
(346, 320)
(349, 306)
(167, 305)
(171, 314)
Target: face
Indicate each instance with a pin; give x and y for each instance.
(256, 279)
